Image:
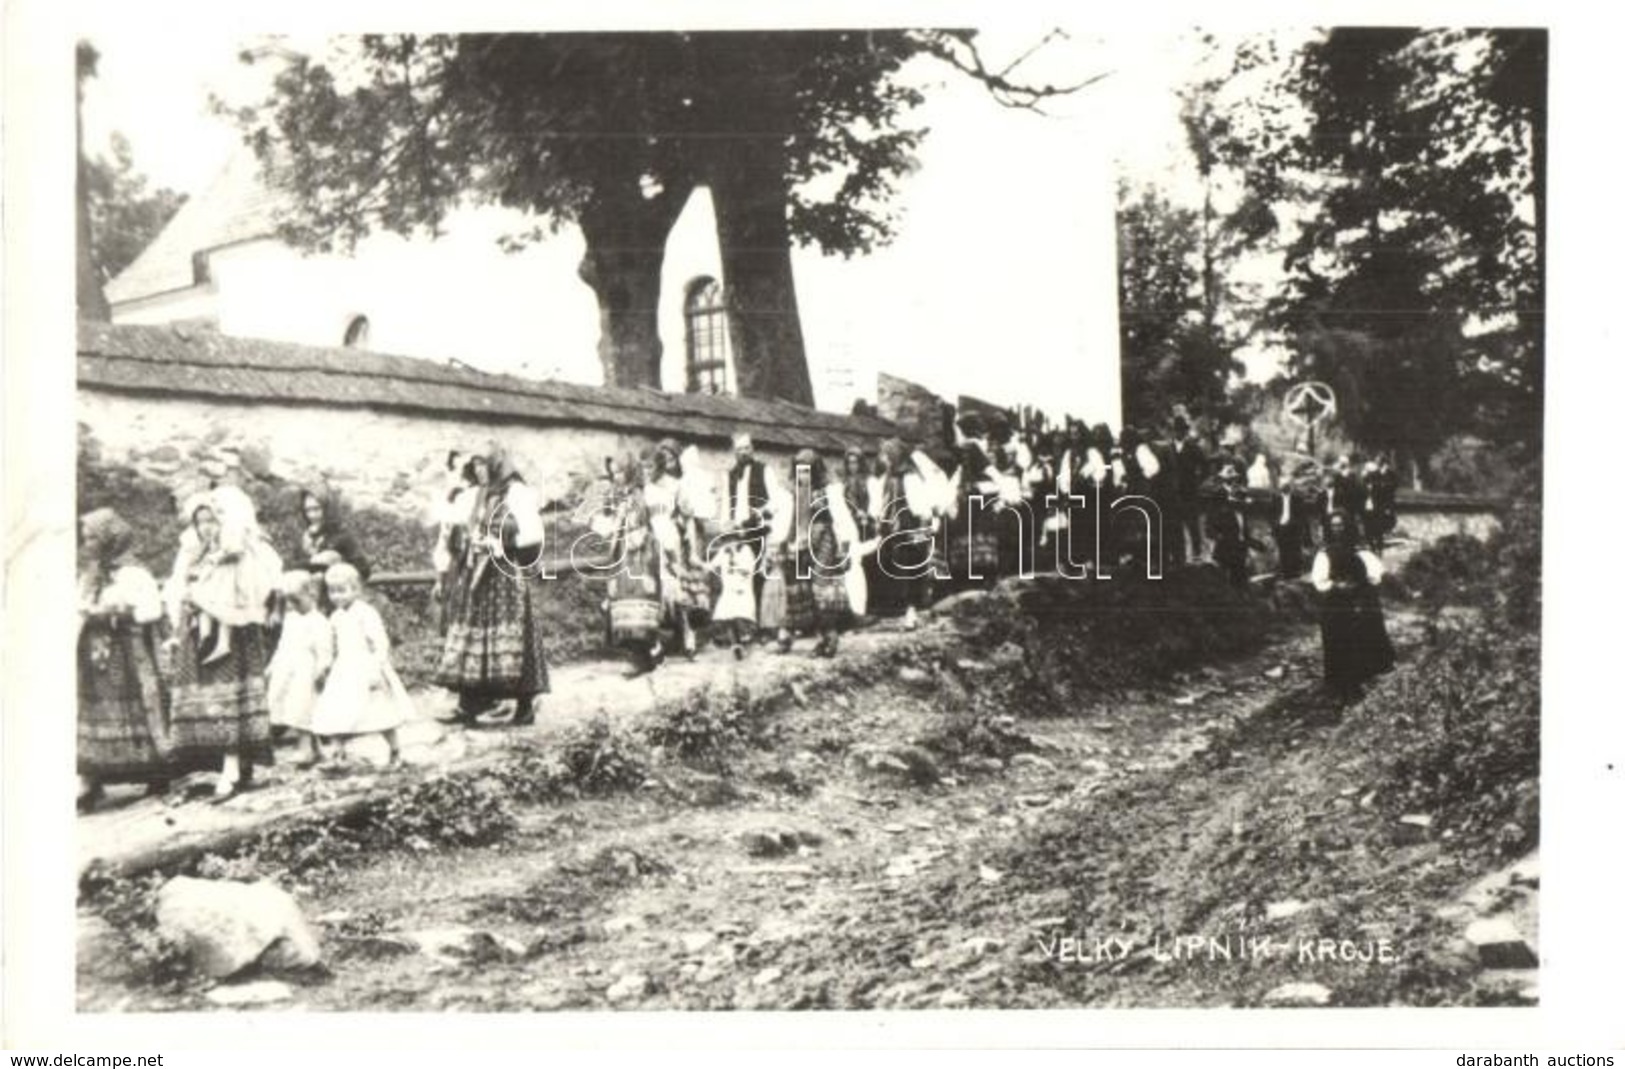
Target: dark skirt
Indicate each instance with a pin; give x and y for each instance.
(905, 562)
(123, 703)
(815, 596)
(493, 647)
(220, 709)
(974, 549)
(686, 585)
(1354, 638)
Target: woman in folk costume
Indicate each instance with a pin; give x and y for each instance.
(325, 541)
(855, 495)
(912, 495)
(453, 517)
(1354, 639)
(1136, 471)
(1010, 457)
(633, 602)
(814, 560)
(304, 652)
(1038, 485)
(493, 649)
(1087, 473)
(676, 501)
(973, 532)
(363, 694)
(231, 575)
(123, 728)
(218, 601)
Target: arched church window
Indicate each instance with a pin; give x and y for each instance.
(706, 330)
(355, 334)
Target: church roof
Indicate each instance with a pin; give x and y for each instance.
(177, 360)
(237, 206)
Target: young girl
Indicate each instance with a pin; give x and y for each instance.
(303, 655)
(363, 694)
(736, 605)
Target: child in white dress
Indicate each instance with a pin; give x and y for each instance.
(363, 693)
(304, 653)
(736, 605)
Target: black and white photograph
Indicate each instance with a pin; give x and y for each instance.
(974, 516)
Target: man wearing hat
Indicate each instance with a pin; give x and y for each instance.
(1185, 512)
(752, 495)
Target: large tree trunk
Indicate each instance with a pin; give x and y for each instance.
(749, 179)
(626, 252)
(764, 322)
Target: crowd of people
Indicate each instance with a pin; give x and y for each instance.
(200, 671)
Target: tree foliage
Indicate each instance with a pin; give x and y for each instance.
(126, 213)
(1173, 351)
(118, 213)
(1413, 170)
(610, 132)
(89, 298)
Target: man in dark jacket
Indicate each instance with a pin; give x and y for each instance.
(1344, 492)
(751, 494)
(1184, 505)
(1290, 523)
(1380, 515)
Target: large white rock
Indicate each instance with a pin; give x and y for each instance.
(1298, 994)
(227, 926)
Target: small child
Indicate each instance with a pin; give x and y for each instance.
(304, 653)
(736, 605)
(363, 693)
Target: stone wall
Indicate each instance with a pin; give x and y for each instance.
(387, 460)
(1423, 524)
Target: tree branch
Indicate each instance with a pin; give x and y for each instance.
(958, 49)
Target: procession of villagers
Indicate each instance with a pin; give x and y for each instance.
(237, 647)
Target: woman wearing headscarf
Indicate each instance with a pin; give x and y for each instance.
(219, 595)
(634, 587)
(906, 517)
(1038, 486)
(493, 649)
(123, 700)
(685, 582)
(856, 493)
(814, 560)
(454, 519)
(1354, 639)
(973, 531)
(325, 541)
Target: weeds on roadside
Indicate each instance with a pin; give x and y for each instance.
(604, 759)
(711, 728)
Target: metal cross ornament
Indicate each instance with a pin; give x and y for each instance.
(1309, 403)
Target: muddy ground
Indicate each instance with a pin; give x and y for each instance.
(910, 835)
